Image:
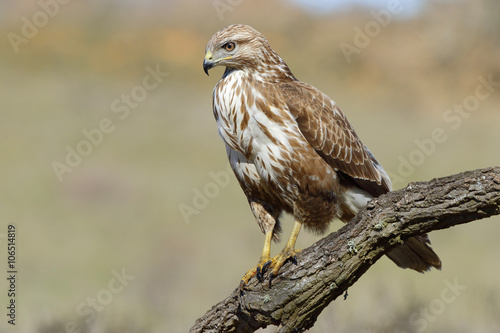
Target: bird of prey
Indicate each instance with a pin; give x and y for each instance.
(292, 149)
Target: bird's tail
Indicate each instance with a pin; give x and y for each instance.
(416, 253)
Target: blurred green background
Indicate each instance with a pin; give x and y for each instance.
(132, 204)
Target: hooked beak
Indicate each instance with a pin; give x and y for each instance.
(208, 62)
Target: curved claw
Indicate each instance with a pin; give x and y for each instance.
(266, 265)
(258, 271)
(259, 274)
(280, 260)
(262, 270)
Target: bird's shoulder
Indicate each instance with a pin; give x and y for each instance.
(327, 129)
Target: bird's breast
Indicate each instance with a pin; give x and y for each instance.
(255, 123)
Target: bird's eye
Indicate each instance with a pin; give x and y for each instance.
(229, 46)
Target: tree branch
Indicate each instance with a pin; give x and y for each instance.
(327, 268)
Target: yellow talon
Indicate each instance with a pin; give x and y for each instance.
(257, 270)
(263, 262)
(276, 262)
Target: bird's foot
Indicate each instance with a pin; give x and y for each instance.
(264, 264)
(258, 271)
(288, 253)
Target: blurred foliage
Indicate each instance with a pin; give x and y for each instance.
(120, 206)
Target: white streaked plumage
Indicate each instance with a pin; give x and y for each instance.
(291, 147)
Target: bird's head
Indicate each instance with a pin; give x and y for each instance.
(238, 46)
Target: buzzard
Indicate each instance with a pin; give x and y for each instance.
(292, 149)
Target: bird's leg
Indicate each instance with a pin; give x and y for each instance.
(287, 252)
(263, 262)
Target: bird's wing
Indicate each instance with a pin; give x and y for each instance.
(326, 128)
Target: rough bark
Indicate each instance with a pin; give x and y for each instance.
(327, 268)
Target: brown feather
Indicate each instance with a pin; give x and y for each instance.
(291, 147)
(329, 132)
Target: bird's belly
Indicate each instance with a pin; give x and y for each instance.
(285, 173)
(272, 159)
(260, 169)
